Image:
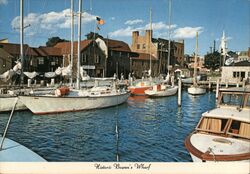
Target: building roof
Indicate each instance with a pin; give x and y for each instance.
(66, 46)
(51, 51)
(144, 56)
(242, 63)
(5, 55)
(14, 49)
(117, 45)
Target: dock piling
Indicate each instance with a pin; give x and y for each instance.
(179, 92)
(217, 88)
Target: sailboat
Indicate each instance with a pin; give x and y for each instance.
(67, 100)
(195, 89)
(7, 100)
(163, 90)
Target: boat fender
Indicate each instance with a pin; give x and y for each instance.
(62, 91)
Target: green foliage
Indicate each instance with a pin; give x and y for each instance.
(213, 60)
(93, 36)
(52, 41)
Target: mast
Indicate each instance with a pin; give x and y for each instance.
(21, 40)
(195, 60)
(169, 32)
(72, 41)
(150, 32)
(79, 44)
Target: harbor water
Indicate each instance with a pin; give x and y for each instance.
(143, 129)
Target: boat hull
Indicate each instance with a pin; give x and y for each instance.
(136, 90)
(162, 93)
(15, 152)
(52, 104)
(224, 150)
(196, 90)
(7, 103)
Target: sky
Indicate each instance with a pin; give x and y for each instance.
(49, 18)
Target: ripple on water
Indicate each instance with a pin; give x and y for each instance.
(149, 130)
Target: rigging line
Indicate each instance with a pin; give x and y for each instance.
(116, 127)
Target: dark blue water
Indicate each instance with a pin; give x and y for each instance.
(149, 130)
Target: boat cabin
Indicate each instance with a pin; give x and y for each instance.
(231, 118)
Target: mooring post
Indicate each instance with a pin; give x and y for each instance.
(226, 83)
(179, 92)
(29, 83)
(217, 88)
(244, 83)
(172, 80)
(209, 83)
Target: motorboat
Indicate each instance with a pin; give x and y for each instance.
(161, 90)
(223, 134)
(196, 90)
(139, 87)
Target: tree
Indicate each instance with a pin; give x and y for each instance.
(52, 41)
(93, 36)
(213, 60)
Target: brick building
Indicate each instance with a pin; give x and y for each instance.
(158, 48)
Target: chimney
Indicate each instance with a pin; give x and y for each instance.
(148, 36)
(135, 35)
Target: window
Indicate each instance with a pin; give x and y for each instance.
(40, 60)
(97, 59)
(138, 46)
(240, 129)
(231, 99)
(84, 57)
(144, 46)
(210, 124)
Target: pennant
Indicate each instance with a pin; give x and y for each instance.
(100, 21)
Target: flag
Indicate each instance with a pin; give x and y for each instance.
(100, 21)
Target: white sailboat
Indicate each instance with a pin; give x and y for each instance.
(7, 100)
(68, 100)
(163, 90)
(195, 89)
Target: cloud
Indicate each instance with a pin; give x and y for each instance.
(4, 2)
(112, 18)
(133, 22)
(122, 32)
(49, 22)
(187, 32)
(159, 28)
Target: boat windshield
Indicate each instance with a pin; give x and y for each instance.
(232, 99)
(239, 129)
(210, 124)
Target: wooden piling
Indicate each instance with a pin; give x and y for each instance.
(217, 88)
(179, 92)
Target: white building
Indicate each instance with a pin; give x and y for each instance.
(235, 74)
